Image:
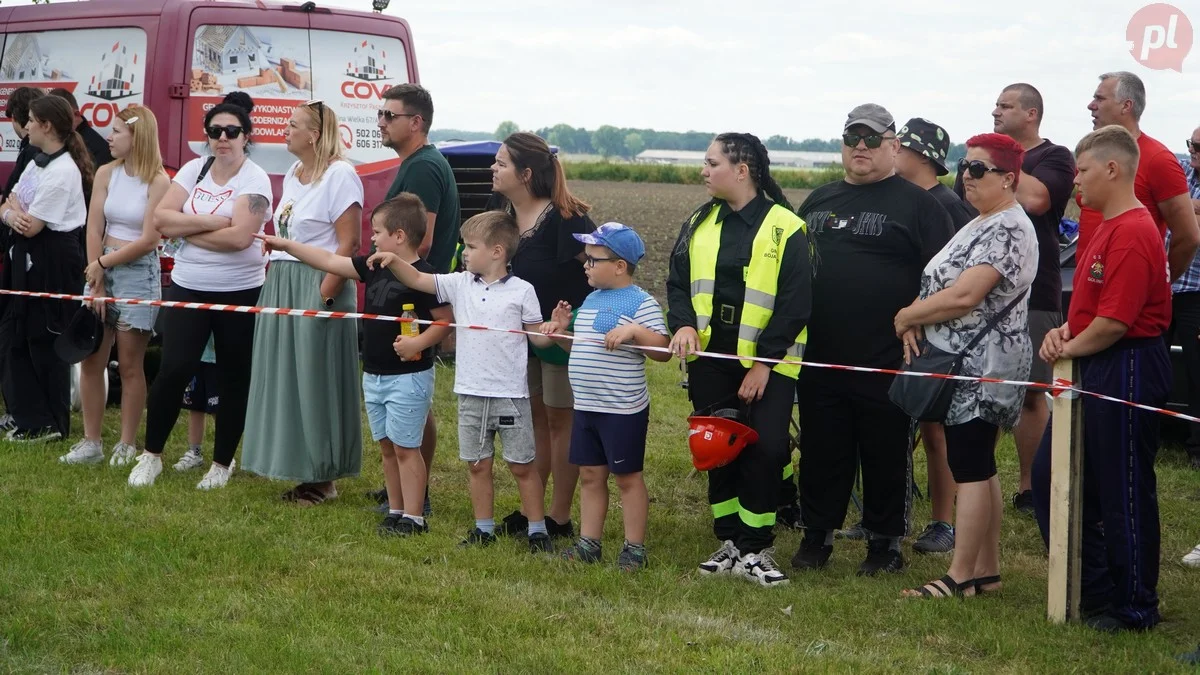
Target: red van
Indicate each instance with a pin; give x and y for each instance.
(180, 57)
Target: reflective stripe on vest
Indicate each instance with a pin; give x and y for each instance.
(762, 282)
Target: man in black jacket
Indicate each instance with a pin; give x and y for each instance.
(17, 110)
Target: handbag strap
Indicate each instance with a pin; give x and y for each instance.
(995, 320)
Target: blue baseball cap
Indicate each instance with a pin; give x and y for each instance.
(619, 239)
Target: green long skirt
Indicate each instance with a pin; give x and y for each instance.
(304, 419)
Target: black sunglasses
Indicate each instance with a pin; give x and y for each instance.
(231, 131)
(320, 105)
(872, 140)
(389, 115)
(1192, 146)
(977, 168)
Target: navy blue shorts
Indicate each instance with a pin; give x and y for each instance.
(607, 438)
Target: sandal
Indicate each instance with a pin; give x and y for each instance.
(306, 495)
(942, 588)
(986, 581)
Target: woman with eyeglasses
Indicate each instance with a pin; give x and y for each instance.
(309, 365)
(977, 285)
(45, 211)
(530, 180)
(216, 204)
(122, 245)
(740, 283)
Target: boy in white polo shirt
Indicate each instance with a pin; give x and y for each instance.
(489, 373)
(608, 378)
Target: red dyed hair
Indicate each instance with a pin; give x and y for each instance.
(1006, 153)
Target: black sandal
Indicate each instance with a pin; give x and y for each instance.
(948, 588)
(986, 581)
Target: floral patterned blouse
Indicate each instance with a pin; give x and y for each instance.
(1008, 242)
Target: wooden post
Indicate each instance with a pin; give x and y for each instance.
(1066, 498)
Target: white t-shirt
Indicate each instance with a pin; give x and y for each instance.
(200, 269)
(612, 382)
(54, 194)
(125, 206)
(306, 213)
(490, 363)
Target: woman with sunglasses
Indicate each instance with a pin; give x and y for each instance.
(740, 283)
(122, 245)
(216, 204)
(321, 206)
(978, 285)
(530, 180)
(45, 212)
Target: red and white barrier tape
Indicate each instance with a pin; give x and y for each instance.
(1059, 387)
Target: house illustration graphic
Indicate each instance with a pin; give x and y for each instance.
(229, 50)
(23, 60)
(115, 79)
(368, 62)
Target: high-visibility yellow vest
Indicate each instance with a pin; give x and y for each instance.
(762, 282)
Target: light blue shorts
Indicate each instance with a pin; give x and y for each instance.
(138, 279)
(397, 406)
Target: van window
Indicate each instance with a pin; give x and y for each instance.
(275, 67)
(105, 68)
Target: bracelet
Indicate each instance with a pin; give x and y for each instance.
(100, 263)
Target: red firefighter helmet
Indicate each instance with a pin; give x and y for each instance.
(716, 440)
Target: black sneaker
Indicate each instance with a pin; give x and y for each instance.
(378, 496)
(789, 517)
(44, 435)
(401, 526)
(581, 553)
(1023, 502)
(427, 508)
(513, 524)
(478, 537)
(813, 553)
(539, 542)
(880, 558)
(387, 526)
(938, 537)
(631, 560)
(1107, 623)
(559, 530)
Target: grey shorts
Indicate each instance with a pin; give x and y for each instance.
(1040, 323)
(481, 418)
(138, 279)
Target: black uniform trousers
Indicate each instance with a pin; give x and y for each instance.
(847, 421)
(1185, 326)
(1120, 540)
(745, 493)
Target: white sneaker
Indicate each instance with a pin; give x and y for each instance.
(723, 561)
(123, 453)
(147, 469)
(1192, 559)
(84, 452)
(760, 567)
(216, 477)
(192, 459)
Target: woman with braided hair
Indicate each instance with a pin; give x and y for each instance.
(740, 283)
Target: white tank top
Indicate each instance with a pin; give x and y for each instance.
(125, 206)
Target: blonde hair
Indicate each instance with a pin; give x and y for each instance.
(328, 147)
(144, 157)
(1112, 142)
(494, 228)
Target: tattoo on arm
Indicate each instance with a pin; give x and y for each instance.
(259, 205)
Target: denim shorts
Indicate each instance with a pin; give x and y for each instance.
(138, 279)
(397, 406)
(482, 418)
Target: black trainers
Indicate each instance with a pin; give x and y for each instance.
(880, 558)
(813, 553)
(581, 553)
(513, 524)
(401, 526)
(938, 537)
(539, 542)
(1023, 502)
(46, 434)
(789, 516)
(631, 560)
(378, 496)
(478, 537)
(558, 530)
(427, 508)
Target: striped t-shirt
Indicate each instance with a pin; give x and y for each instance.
(604, 381)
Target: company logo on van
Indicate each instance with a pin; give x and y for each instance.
(369, 63)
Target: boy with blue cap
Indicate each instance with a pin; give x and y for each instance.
(608, 378)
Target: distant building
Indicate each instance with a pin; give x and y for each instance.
(792, 158)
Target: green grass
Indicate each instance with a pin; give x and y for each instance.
(98, 577)
(790, 179)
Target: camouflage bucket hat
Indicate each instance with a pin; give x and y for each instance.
(928, 139)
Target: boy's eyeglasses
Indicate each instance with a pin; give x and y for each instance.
(231, 131)
(976, 168)
(591, 262)
(872, 140)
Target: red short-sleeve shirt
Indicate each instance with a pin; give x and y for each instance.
(1123, 276)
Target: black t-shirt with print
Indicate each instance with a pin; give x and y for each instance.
(385, 294)
(547, 258)
(872, 242)
(960, 211)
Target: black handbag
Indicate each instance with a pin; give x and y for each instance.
(928, 398)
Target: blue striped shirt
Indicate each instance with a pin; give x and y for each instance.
(1190, 281)
(604, 381)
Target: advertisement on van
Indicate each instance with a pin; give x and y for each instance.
(275, 66)
(104, 68)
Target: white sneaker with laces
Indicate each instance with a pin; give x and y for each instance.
(84, 452)
(1192, 559)
(122, 454)
(217, 476)
(147, 469)
(723, 561)
(760, 567)
(192, 459)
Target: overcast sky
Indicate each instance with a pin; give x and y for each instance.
(791, 68)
